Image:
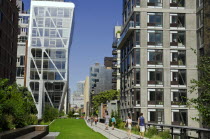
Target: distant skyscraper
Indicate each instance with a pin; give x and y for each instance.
(80, 87)
(50, 33)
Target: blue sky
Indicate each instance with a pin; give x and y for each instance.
(93, 34)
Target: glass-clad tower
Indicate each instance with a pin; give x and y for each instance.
(50, 33)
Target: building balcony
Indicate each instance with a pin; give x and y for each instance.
(114, 66)
(114, 44)
(114, 59)
(114, 52)
(125, 33)
(114, 73)
(114, 80)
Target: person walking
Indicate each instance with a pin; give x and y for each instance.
(141, 123)
(96, 120)
(128, 126)
(107, 117)
(91, 120)
(113, 122)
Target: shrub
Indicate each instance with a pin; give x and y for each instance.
(165, 134)
(61, 113)
(32, 119)
(156, 137)
(50, 113)
(71, 113)
(151, 132)
(16, 104)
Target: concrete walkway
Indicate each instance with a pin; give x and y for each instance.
(111, 134)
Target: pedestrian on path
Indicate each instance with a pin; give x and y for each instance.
(113, 122)
(141, 123)
(128, 126)
(107, 117)
(96, 120)
(91, 120)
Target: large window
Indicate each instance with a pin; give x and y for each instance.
(157, 3)
(137, 76)
(178, 77)
(155, 76)
(155, 38)
(20, 72)
(22, 60)
(137, 97)
(137, 57)
(155, 97)
(177, 3)
(178, 57)
(179, 117)
(155, 19)
(155, 57)
(177, 20)
(178, 97)
(177, 39)
(156, 116)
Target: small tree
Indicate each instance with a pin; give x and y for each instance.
(202, 102)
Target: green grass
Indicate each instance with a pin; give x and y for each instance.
(74, 129)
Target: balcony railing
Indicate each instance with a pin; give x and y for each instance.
(129, 25)
(202, 133)
(155, 102)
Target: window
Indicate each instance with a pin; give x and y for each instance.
(137, 15)
(155, 38)
(178, 97)
(200, 37)
(200, 18)
(155, 19)
(157, 3)
(199, 3)
(177, 20)
(36, 53)
(137, 57)
(138, 99)
(178, 77)
(155, 57)
(155, 76)
(40, 22)
(20, 72)
(52, 33)
(34, 86)
(137, 34)
(177, 38)
(96, 70)
(178, 57)
(34, 75)
(155, 97)
(156, 116)
(22, 60)
(177, 3)
(137, 75)
(179, 117)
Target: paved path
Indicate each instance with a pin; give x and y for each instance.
(111, 134)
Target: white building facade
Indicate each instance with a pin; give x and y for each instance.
(50, 33)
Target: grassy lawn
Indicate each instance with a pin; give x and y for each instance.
(74, 129)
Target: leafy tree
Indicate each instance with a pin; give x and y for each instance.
(103, 97)
(202, 102)
(16, 105)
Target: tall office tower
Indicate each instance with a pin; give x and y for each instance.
(116, 59)
(157, 63)
(80, 87)
(100, 78)
(21, 46)
(50, 36)
(8, 39)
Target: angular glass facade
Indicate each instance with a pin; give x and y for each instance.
(48, 52)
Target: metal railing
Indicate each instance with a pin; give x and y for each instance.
(203, 133)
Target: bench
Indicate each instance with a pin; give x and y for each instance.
(28, 132)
